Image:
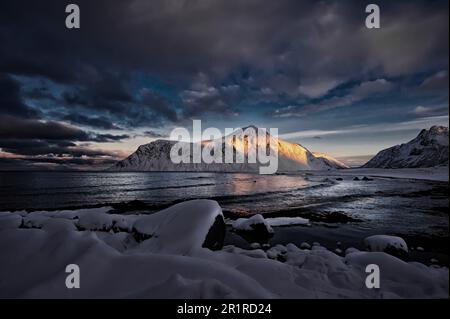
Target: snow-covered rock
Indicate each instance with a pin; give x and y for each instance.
(305, 245)
(351, 250)
(255, 224)
(102, 221)
(183, 227)
(278, 252)
(34, 220)
(10, 220)
(429, 149)
(95, 221)
(249, 224)
(155, 156)
(286, 221)
(389, 244)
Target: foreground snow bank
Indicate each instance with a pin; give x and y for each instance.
(172, 262)
(8, 220)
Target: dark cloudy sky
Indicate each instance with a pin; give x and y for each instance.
(136, 69)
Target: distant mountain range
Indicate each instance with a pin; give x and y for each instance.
(428, 149)
(155, 156)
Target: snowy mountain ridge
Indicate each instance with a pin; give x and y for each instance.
(429, 149)
(155, 156)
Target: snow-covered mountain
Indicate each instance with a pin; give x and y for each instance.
(155, 156)
(428, 149)
(330, 160)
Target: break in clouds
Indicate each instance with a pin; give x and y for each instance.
(74, 98)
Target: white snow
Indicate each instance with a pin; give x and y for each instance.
(9, 220)
(100, 220)
(286, 221)
(434, 261)
(255, 253)
(393, 270)
(173, 263)
(180, 228)
(382, 242)
(351, 250)
(96, 221)
(305, 245)
(247, 224)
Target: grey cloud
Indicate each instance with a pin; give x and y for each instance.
(356, 94)
(273, 39)
(34, 147)
(204, 97)
(153, 134)
(97, 122)
(18, 128)
(54, 163)
(437, 81)
(159, 104)
(10, 98)
(430, 110)
(106, 138)
(13, 127)
(286, 52)
(413, 38)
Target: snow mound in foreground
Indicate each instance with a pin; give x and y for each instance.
(172, 262)
(9, 220)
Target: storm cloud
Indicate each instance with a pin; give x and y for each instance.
(145, 66)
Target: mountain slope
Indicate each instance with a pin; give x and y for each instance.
(331, 160)
(155, 156)
(430, 148)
